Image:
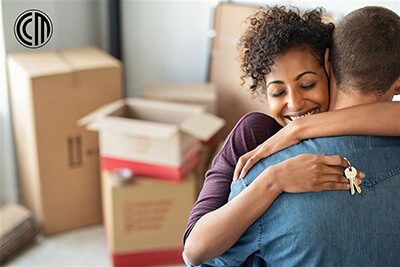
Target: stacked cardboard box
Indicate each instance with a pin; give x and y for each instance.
(158, 144)
(58, 161)
(145, 219)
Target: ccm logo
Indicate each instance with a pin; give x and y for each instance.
(33, 28)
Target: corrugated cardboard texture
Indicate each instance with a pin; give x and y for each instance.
(234, 100)
(10, 215)
(17, 230)
(59, 162)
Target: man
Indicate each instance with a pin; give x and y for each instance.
(335, 227)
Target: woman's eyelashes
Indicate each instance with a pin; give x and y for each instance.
(308, 86)
(277, 94)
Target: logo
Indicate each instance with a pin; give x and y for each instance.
(33, 28)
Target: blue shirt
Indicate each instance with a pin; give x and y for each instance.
(329, 228)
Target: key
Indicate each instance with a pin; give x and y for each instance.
(358, 188)
(351, 173)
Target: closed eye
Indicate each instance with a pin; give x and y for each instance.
(309, 86)
(278, 94)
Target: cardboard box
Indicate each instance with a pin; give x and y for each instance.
(152, 138)
(145, 219)
(58, 161)
(204, 94)
(234, 100)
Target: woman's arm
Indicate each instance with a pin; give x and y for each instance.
(217, 231)
(382, 119)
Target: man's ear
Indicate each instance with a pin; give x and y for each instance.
(327, 63)
(397, 86)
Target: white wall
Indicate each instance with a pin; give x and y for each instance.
(165, 41)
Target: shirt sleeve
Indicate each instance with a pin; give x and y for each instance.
(251, 130)
(237, 255)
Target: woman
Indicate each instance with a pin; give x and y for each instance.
(283, 55)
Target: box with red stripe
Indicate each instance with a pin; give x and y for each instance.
(145, 219)
(153, 138)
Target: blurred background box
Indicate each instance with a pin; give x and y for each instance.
(145, 219)
(18, 228)
(234, 100)
(152, 138)
(59, 162)
(194, 93)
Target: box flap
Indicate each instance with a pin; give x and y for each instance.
(88, 58)
(181, 92)
(100, 113)
(133, 127)
(43, 63)
(163, 105)
(36, 64)
(202, 126)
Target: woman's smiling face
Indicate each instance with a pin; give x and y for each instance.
(296, 86)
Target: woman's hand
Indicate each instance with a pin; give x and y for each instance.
(310, 173)
(286, 137)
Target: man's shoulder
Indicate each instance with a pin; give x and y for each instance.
(335, 145)
(349, 142)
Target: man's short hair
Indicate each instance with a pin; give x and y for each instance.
(365, 52)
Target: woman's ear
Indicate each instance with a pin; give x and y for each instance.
(327, 63)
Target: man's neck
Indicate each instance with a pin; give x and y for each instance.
(344, 100)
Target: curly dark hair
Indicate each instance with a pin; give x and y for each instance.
(272, 31)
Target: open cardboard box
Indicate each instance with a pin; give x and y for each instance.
(152, 138)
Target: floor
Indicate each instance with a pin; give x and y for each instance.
(81, 247)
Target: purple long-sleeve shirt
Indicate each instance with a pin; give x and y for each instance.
(251, 130)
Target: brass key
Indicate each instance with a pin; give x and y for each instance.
(358, 188)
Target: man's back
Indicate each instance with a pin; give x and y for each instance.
(331, 227)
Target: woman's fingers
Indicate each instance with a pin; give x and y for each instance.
(250, 163)
(333, 160)
(241, 162)
(330, 186)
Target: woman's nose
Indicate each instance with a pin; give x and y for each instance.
(296, 101)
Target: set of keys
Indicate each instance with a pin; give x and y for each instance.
(351, 173)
